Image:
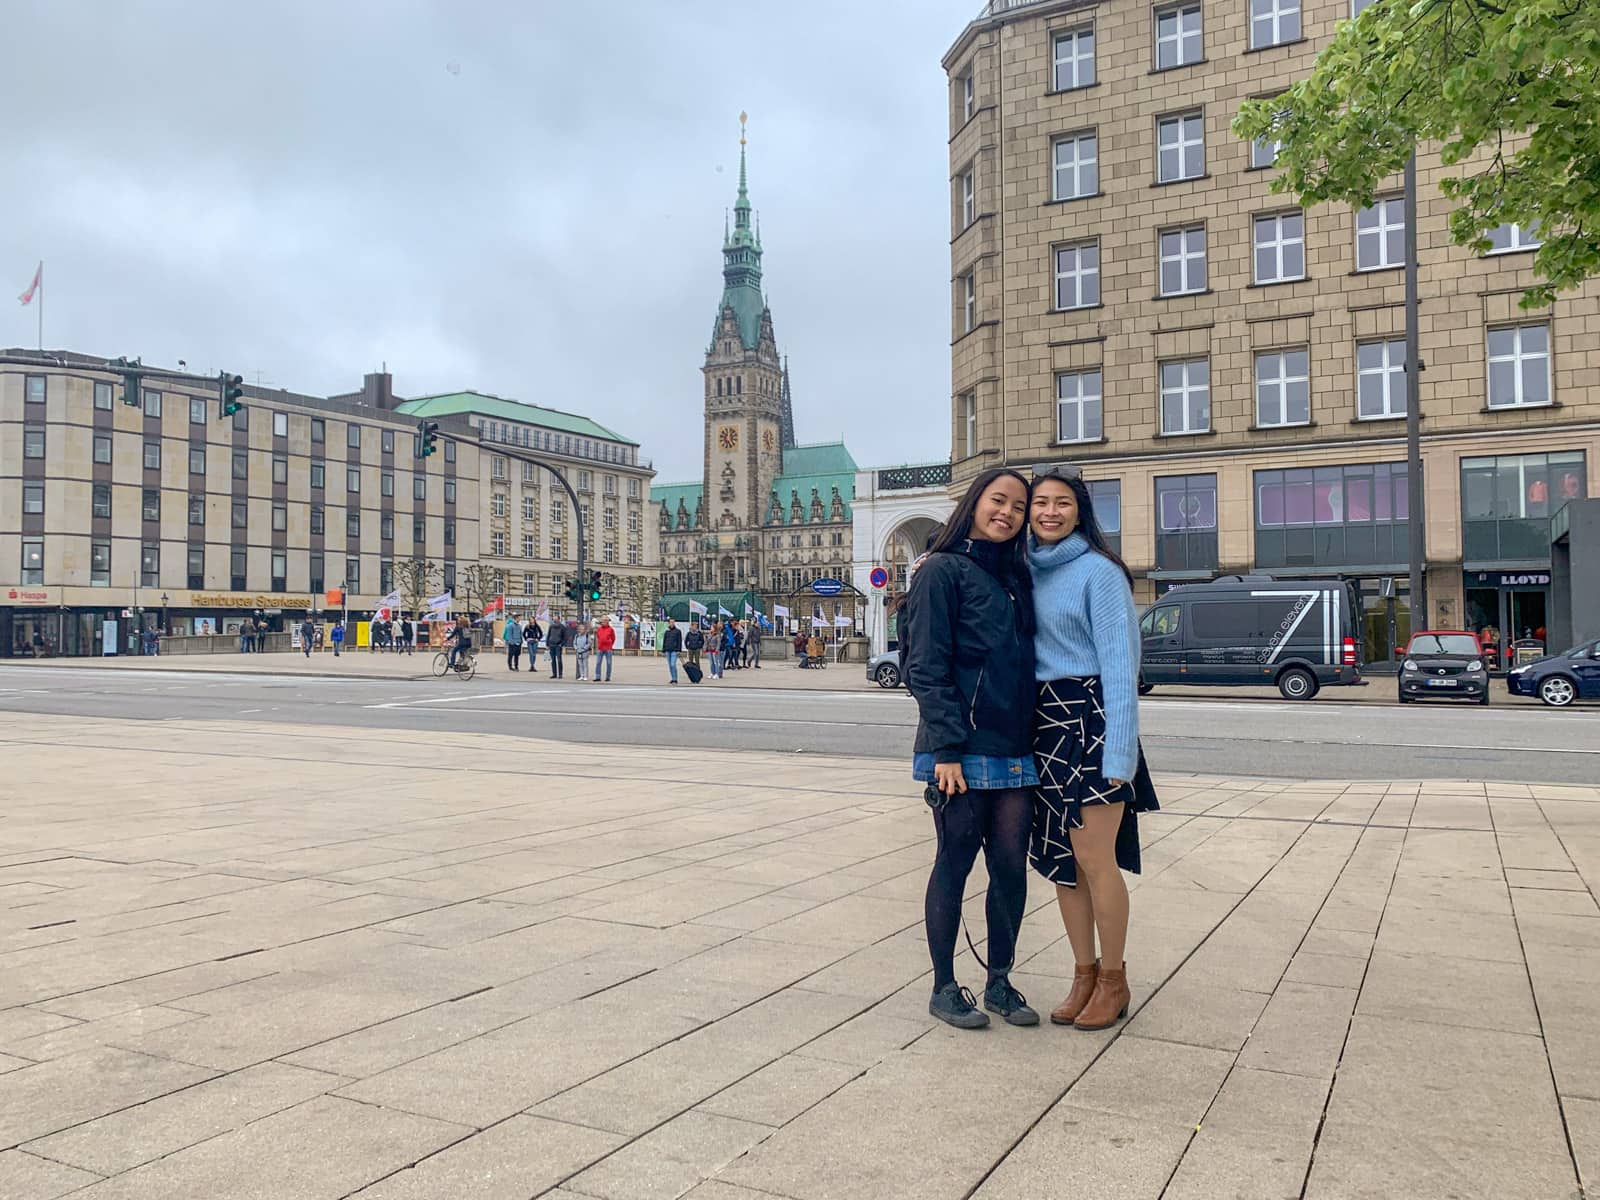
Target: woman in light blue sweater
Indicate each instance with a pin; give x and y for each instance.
(1086, 740)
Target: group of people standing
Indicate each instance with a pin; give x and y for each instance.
(395, 636)
(583, 639)
(727, 646)
(1022, 652)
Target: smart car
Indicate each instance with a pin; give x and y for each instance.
(1446, 664)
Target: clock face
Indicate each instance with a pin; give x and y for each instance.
(728, 437)
(767, 440)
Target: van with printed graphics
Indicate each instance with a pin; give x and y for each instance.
(1299, 634)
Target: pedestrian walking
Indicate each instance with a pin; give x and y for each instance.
(337, 637)
(308, 636)
(408, 641)
(605, 642)
(672, 646)
(693, 642)
(555, 641)
(244, 638)
(581, 642)
(1093, 778)
(753, 643)
(513, 637)
(261, 637)
(714, 649)
(532, 635)
(970, 667)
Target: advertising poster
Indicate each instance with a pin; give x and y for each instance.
(108, 638)
(650, 635)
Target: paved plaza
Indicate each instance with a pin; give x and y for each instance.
(287, 962)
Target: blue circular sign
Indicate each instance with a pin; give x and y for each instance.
(826, 587)
(879, 577)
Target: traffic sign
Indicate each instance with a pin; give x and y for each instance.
(826, 587)
(879, 577)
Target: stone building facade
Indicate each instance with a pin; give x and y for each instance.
(1129, 296)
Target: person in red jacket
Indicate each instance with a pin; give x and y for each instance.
(605, 640)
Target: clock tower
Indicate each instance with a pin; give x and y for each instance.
(745, 396)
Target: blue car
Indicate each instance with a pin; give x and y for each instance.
(1560, 679)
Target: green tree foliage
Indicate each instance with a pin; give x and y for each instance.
(1508, 90)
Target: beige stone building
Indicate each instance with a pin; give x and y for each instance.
(1129, 296)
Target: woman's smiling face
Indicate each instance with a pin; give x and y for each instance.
(1053, 512)
(1002, 510)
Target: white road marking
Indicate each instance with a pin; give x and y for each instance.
(624, 717)
(444, 700)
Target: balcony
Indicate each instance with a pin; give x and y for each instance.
(898, 479)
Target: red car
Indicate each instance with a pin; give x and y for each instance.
(1445, 664)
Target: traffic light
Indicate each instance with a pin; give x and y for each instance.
(130, 390)
(230, 392)
(427, 438)
(575, 590)
(594, 585)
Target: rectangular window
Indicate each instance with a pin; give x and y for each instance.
(152, 403)
(318, 574)
(633, 488)
(1078, 406)
(150, 505)
(152, 456)
(1274, 22)
(319, 429)
(241, 420)
(969, 197)
(386, 483)
(1381, 235)
(197, 460)
(241, 514)
(1183, 260)
(528, 468)
(280, 469)
(387, 441)
(197, 511)
(1519, 366)
(968, 285)
(555, 547)
(1381, 379)
(1180, 147)
(529, 511)
(1074, 58)
(1357, 7)
(1186, 396)
(33, 560)
(101, 501)
(497, 504)
(969, 423)
(449, 576)
(1177, 36)
(280, 424)
(497, 467)
(419, 487)
(449, 491)
(237, 562)
(386, 576)
(585, 483)
(608, 552)
(386, 528)
(102, 447)
(419, 529)
(280, 517)
(449, 452)
(449, 532)
(497, 544)
(319, 474)
(1506, 239)
(1507, 502)
(1264, 153)
(102, 397)
(241, 466)
(33, 498)
(352, 479)
(1280, 247)
(352, 526)
(352, 436)
(318, 520)
(1077, 166)
(352, 573)
(149, 565)
(1283, 387)
(1078, 275)
(1106, 495)
(280, 570)
(1332, 516)
(969, 96)
(529, 546)
(100, 564)
(197, 566)
(527, 583)
(558, 512)
(34, 389)
(1186, 522)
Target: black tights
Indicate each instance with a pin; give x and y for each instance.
(999, 822)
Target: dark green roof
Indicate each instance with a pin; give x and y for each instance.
(452, 404)
(821, 467)
(824, 458)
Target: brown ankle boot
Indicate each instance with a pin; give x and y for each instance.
(1109, 1004)
(1083, 981)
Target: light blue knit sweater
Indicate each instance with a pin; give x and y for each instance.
(1087, 625)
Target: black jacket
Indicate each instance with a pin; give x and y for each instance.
(672, 640)
(694, 639)
(969, 659)
(556, 637)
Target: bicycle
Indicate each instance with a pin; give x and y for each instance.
(466, 664)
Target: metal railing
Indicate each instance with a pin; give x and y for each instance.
(892, 479)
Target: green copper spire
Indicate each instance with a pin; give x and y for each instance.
(741, 261)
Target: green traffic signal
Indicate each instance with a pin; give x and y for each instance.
(595, 591)
(427, 438)
(230, 394)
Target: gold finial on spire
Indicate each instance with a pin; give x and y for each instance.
(743, 117)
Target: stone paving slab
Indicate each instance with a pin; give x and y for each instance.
(285, 963)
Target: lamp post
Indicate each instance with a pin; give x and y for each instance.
(1416, 525)
(163, 621)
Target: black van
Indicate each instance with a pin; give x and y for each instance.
(1252, 629)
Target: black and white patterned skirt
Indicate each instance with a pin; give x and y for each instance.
(1068, 743)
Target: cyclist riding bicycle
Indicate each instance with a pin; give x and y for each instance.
(460, 641)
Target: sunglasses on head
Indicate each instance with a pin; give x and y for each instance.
(1063, 473)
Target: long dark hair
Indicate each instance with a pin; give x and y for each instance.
(1088, 523)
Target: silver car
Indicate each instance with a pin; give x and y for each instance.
(884, 669)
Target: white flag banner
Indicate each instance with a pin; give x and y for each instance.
(819, 623)
(697, 608)
(544, 613)
(842, 621)
(749, 609)
(779, 610)
(392, 600)
(722, 612)
(440, 603)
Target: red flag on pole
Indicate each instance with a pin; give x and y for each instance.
(38, 277)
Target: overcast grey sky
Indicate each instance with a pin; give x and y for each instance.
(523, 198)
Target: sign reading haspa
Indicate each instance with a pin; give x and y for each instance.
(826, 587)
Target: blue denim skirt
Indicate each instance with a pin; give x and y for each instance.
(983, 772)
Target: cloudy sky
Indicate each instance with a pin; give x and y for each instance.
(522, 198)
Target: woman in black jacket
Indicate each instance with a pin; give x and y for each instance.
(969, 664)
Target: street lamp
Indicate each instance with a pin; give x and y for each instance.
(163, 612)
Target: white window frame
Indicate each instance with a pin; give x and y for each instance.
(1375, 226)
(969, 95)
(1178, 125)
(1178, 38)
(1073, 61)
(1185, 258)
(1279, 16)
(969, 301)
(1273, 390)
(1390, 371)
(969, 197)
(280, 424)
(1080, 394)
(1520, 359)
(969, 423)
(1517, 238)
(1277, 244)
(1079, 275)
(1357, 7)
(1185, 390)
(1082, 168)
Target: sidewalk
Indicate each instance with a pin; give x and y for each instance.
(309, 963)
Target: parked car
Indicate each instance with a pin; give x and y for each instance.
(1299, 634)
(884, 669)
(1447, 664)
(1560, 679)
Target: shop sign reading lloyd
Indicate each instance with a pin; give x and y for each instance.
(1530, 579)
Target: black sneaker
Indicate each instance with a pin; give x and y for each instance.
(954, 1005)
(1000, 997)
